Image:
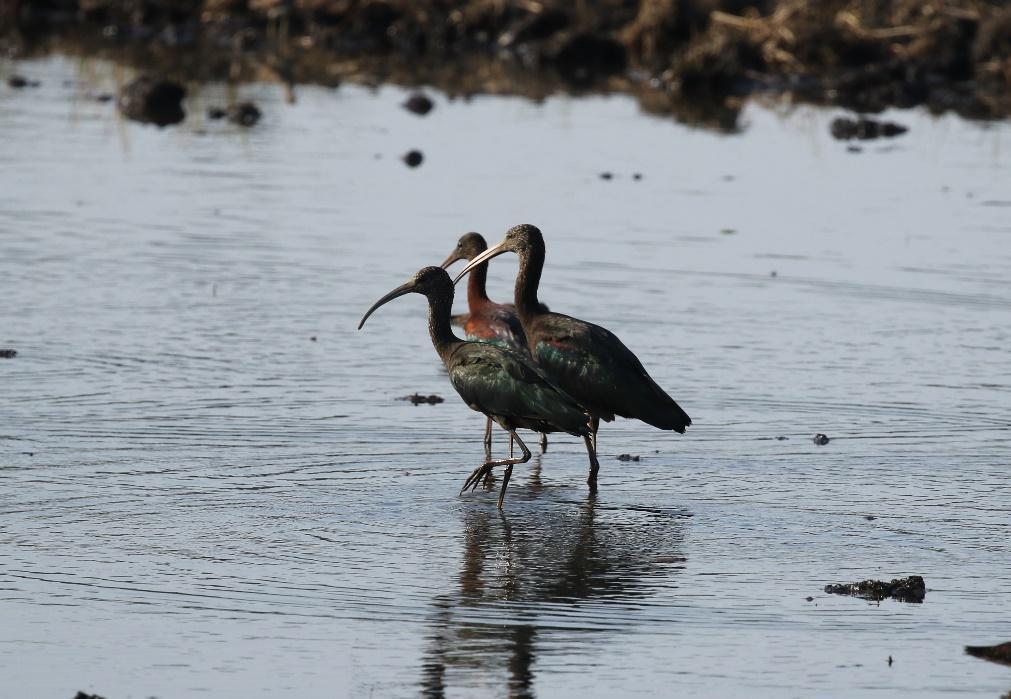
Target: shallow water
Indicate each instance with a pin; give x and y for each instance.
(199, 499)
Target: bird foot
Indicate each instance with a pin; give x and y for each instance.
(482, 471)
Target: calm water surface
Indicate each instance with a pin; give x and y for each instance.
(197, 499)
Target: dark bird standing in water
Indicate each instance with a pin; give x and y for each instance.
(487, 321)
(497, 382)
(586, 361)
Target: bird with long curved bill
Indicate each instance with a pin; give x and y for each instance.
(585, 360)
(492, 380)
(487, 321)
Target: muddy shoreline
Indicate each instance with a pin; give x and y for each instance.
(697, 61)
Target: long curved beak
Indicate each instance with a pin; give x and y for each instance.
(453, 257)
(491, 252)
(399, 291)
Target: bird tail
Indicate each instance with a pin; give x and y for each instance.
(670, 416)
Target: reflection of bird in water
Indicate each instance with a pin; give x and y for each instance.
(487, 321)
(586, 361)
(491, 380)
(513, 576)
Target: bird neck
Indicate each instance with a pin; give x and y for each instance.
(440, 308)
(527, 281)
(477, 293)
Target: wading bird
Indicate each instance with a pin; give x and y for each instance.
(585, 360)
(497, 382)
(487, 321)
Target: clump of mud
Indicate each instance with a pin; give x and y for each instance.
(1000, 653)
(418, 398)
(696, 59)
(152, 101)
(911, 589)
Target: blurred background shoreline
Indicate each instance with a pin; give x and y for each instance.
(698, 61)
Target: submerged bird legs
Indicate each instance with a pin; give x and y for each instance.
(485, 469)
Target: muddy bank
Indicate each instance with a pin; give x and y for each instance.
(694, 59)
(911, 589)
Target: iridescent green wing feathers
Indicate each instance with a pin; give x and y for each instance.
(592, 365)
(500, 383)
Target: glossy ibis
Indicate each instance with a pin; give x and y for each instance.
(502, 384)
(487, 321)
(586, 361)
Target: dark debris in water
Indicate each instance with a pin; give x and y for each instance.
(244, 114)
(8, 353)
(864, 129)
(85, 695)
(911, 589)
(821, 439)
(151, 100)
(19, 81)
(1000, 653)
(419, 103)
(628, 457)
(417, 398)
(413, 158)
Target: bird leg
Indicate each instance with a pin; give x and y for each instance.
(479, 472)
(487, 440)
(544, 442)
(489, 477)
(591, 449)
(594, 426)
(505, 482)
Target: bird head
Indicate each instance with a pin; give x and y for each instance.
(521, 239)
(468, 247)
(429, 281)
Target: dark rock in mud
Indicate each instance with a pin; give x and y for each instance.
(628, 457)
(1000, 653)
(18, 82)
(821, 439)
(417, 398)
(244, 114)
(845, 129)
(911, 589)
(8, 353)
(413, 158)
(419, 103)
(151, 100)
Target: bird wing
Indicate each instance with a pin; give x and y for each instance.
(601, 373)
(500, 383)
